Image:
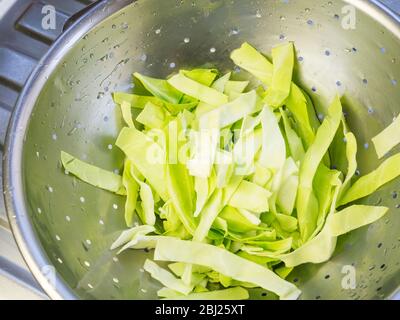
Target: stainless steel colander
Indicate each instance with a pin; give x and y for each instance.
(64, 225)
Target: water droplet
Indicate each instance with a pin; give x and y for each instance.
(186, 40)
(310, 22)
(234, 32)
(50, 189)
(115, 206)
(109, 147)
(327, 53)
(307, 10)
(58, 237)
(365, 81)
(115, 280)
(158, 31)
(87, 263)
(82, 199)
(105, 118)
(115, 259)
(394, 82)
(143, 290)
(54, 136)
(143, 57)
(39, 210)
(338, 83)
(90, 286)
(59, 260)
(172, 65)
(282, 18)
(300, 59)
(72, 131)
(213, 50)
(366, 145)
(258, 14)
(100, 95)
(101, 222)
(114, 26)
(314, 89)
(68, 218)
(370, 110)
(88, 242)
(383, 50)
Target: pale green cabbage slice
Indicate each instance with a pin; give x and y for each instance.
(180, 184)
(226, 263)
(251, 197)
(224, 167)
(387, 139)
(227, 114)
(371, 182)
(153, 116)
(135, 100)
(203, 76)
(166, 277)
(197, 90)
(320, 248)
(295, 144)
(237, 222)
(201, 187)
(129, 234)
(132, 191)
(126, 110)
(93, 175)
(245, 150)
(147, 215)
(160, 89)
(147, 156)
(307, 204)
(249, 59)
(351, 155)
(283, 63)
(297, 105)
(273, 151)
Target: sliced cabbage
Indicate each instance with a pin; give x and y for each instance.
(307, 203)
(197, 90)
(166, 278)
(95, 176)
(387, 139)
(254, 62)
(320, 248)
(283, 62)
(236, 182)
(371, 182)
(224, 262)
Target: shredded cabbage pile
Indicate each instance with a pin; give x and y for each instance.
(234, 183)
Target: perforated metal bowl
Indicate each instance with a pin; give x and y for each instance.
(67, 105)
